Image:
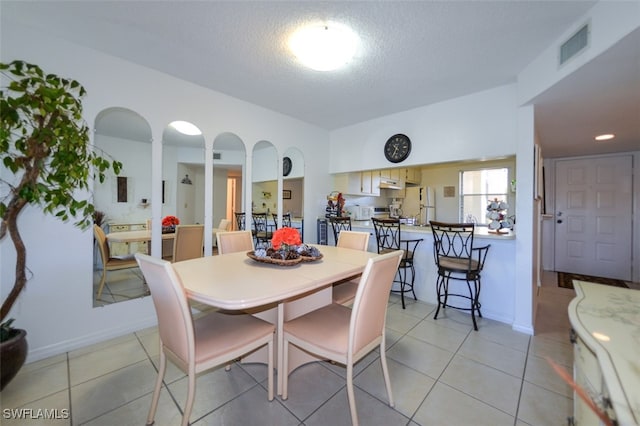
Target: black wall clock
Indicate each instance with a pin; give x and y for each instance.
(286, 166)
(397, 148)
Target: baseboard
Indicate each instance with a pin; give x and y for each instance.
(89, 339)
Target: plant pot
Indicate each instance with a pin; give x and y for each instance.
(13, 353)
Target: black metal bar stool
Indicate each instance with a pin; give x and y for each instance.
(389, 239)
(338, 224)
(457, 259)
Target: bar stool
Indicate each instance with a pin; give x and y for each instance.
(339, 223)
(457, 259)
(262, 230)
(389, 239)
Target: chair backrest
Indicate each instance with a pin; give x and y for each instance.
(341, 223)
(260, 222)
(103, 246)
(453, 239)
(225, 225)
(387, 234)
(353, 240)
(370, 306)
(175, 324)
(188, 242)
(286, 220)
(234, 241)
(240, 220)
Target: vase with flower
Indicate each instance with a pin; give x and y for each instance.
(169, 224)
(286, 249)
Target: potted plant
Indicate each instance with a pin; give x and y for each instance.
(45, 148)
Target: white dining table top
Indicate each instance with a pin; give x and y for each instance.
(235, 281)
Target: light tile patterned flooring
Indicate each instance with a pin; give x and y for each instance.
(442, 372)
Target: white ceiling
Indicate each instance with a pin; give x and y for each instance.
(413, 54)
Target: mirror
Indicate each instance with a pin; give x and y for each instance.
(183, 178)
(229, 156)
(293, 187)
(122, 203)
(264, 188)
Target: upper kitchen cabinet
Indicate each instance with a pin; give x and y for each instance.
(412, 176)
(365, 183)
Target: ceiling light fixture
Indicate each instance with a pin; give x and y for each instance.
(324, 47)
(185, 128)
(605, 137)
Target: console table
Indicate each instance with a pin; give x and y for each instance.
(606, 339)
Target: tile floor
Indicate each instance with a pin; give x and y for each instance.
(442, 372)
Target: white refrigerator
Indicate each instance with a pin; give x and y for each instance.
(420, 202)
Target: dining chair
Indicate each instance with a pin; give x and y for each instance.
(188, 242)
(223, 226)
(109, 263)
(344, 292)
(197, 345)
(457, 259)
(338, 224)
(345, 335)
(263, 231)
(286, 220)
(240, 220)
(388, 238)
(234, 241)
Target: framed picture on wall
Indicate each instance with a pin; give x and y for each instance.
(286, 194)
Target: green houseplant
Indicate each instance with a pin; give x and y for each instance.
(45, 147)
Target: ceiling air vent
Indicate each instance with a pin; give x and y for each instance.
(217, 156)
(575, 44)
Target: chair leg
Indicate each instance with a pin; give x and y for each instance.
(285, 367)
(156, 390)
(191, 393)
(473, 307)
(351, 395)
(103, 279)
(270, 372)
(439, 288)
(385, 371)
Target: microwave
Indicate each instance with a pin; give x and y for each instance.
(363, 212)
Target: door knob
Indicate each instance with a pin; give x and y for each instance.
(559, 221)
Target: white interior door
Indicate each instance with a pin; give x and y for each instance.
(593, 230)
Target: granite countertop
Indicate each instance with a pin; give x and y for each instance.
(481, 232)
(607, 319)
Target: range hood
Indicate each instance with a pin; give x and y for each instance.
(386, 183)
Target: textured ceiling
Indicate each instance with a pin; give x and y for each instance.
(413, 53)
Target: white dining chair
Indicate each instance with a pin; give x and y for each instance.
(109, 263)
(345, 335)
(197, 345)
(234, 241)
(188, 242)
(345, 291)
(223, 226)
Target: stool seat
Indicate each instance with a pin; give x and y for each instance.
(457, 259)
(389, 239)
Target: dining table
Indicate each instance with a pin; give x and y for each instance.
(275, 293)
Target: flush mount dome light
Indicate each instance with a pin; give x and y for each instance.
(185, 128)
(605, 137)
(324, 47)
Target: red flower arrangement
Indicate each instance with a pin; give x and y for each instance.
(285, 236)
(170, 221)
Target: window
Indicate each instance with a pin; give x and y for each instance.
(477, 187)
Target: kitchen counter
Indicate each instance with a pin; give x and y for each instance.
(498, 276)
(481, 232)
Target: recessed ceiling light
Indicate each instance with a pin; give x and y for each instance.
(185, 128)
(605, 137)
(325, 46)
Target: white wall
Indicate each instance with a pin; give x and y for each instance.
(478, 126)
(57, 309)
